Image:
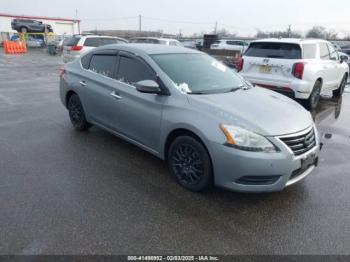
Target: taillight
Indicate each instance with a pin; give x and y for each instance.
(240, 64)
(76, 48)
(62, 71)
(298, 70)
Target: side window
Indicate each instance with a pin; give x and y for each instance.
(333, 53)
(103, 64)
(324, 52)
(309, 51)
(173, 43)
(92, 41)
(107, 41)
(85, 60)
(132, 71)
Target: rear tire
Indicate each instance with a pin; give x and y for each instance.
(339, 92)
(190, 164)
(77, 114)
(312, 102)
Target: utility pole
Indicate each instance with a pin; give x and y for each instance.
(140, 23)
(289, 31)
(216, 27)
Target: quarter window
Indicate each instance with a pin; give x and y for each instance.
(132, 71)
(103, 64)
(324, 52)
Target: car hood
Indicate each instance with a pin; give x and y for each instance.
(257, 109)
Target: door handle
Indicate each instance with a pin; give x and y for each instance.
(116, 95)
(83, 83)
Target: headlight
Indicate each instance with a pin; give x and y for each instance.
(246, 140)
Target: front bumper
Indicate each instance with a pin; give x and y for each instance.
(282, 168)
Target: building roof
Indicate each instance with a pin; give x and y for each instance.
(39, 17)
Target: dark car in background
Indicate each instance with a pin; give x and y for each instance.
(30, 26)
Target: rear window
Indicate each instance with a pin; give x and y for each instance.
(309, 51)
(274, 50)
(72, 41)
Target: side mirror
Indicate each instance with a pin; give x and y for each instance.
(148, 86)
(343, 59)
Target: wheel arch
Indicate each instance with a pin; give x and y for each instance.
(181, 132)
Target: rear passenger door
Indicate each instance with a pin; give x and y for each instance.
(97, 84)
(137, 115)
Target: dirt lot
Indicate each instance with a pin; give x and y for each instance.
(64, 192)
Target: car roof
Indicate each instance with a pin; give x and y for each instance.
(290, 40)
(150, 49)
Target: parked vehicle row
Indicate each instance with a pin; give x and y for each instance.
(80, 44)
(77, 45)
(209, 124)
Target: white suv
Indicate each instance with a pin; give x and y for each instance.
(302, 69)
(237, 45)
(80, 44)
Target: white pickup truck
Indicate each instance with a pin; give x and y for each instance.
(301, 68)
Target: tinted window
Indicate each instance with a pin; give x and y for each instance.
(72, 41)
(324, 52)
(85, 60)
(173, 43)
(198, 73)
(274, 50)
(309, 51)
(333, 53)
(132, 71)
(145, 40)
(108, 41)
(103, 64)
(92, 41)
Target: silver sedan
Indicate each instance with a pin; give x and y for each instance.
(209, 124)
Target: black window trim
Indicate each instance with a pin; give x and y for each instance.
(164, 90)
(108, 52)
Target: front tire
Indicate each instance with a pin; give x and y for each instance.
(77, 114)
(190, 164)
(339, 92)
(315, 95)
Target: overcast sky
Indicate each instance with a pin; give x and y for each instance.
(240, 16)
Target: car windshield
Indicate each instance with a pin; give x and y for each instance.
(198, 73)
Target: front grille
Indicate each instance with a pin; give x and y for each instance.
(301, 143)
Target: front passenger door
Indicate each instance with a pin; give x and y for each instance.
(138, 115)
